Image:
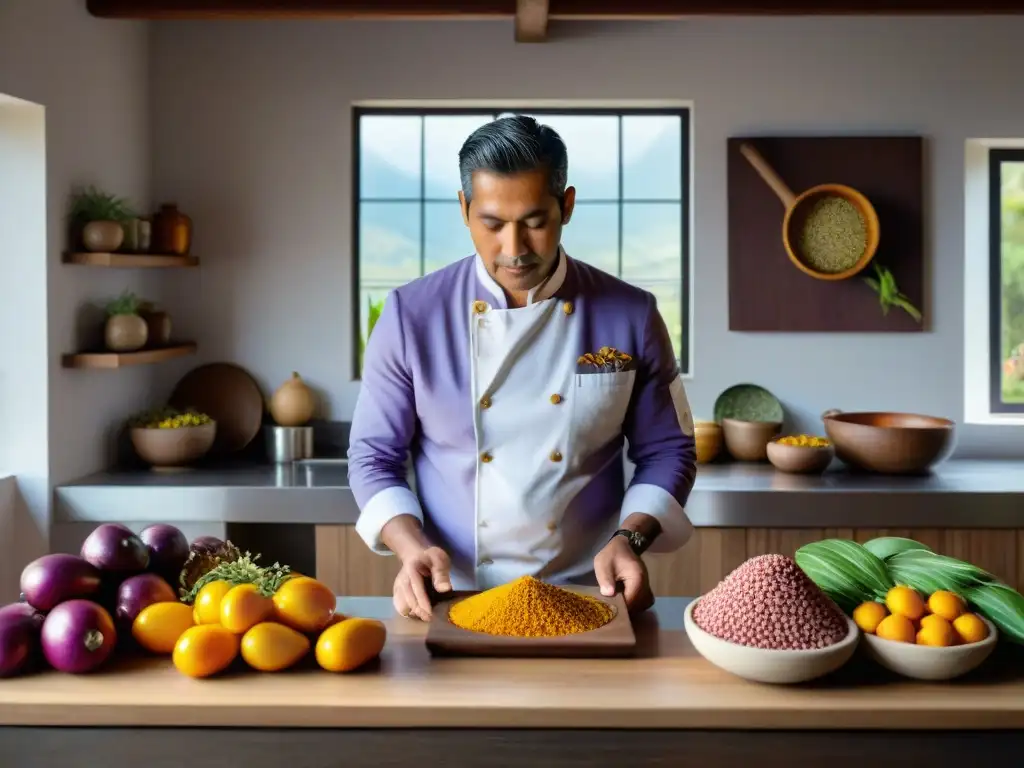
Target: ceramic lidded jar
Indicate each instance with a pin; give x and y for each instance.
(172, 231)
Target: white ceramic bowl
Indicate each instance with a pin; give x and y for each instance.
(923, 662)
(768, 666)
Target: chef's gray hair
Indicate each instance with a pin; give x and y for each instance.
(514, 144)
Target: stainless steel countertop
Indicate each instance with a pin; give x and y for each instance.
(959, 493)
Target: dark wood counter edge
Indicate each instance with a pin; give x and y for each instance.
(271, 748)
(395, 718)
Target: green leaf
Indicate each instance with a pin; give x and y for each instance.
(845, 571)
(125, 304)
(885, 547)
(889, 294)
(1001, 605)
(927, 572)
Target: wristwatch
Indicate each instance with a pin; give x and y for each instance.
(637, 541)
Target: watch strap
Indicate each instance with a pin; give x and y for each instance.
(637, 541)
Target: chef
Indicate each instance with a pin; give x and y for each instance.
(512, 379)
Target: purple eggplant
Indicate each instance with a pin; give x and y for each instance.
(139, 592)
(168, 550)
(205, 544)
(52, 579)
(23, 609)
(113, 547)
(19, 642)
(78, 636)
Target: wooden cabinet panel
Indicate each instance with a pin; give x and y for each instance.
(345, 564)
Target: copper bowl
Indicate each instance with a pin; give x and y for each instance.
(890, 443)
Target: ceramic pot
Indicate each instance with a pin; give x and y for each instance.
(102, 236)
(159, 328)
(708, 436)
(173, 447)
(125, 333)
(172, 231)
(748, 440)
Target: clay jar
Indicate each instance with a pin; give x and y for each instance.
(172, 231)
(125, 333)
(293, 404)
(102, 236)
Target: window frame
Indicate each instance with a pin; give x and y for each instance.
(681, 109)
(996, 157)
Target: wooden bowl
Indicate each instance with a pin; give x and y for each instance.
(173, 447)
(890, 443)
(748, 440)
(800, 459)
(708, 436)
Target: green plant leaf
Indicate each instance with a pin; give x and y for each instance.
(125, 304)
(846, 571)
(889, 294)
(885, 547)
(92, 204)
(928, 571)
(1001, 605)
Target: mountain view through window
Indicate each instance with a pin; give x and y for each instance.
(629, 167)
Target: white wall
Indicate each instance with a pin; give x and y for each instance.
(251, 136)
(91, 76)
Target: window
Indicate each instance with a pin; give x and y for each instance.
(1006, 281)
(630, 168)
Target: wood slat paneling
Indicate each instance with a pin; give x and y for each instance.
(345, 564)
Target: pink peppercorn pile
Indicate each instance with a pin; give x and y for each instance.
(768, 602)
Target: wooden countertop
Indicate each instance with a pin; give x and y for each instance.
(666, 686)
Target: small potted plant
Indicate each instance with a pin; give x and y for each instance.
(98, 219)
(125, 329)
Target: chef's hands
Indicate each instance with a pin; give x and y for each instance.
(411, 593)
(422, 564)
(616, 563)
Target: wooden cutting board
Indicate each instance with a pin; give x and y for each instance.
(614, 639)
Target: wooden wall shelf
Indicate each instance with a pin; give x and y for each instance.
(111, 360)
(129, 260)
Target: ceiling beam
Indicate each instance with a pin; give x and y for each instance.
(531, 21)
(556, 9)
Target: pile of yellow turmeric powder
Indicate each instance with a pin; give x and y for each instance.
(528, 607)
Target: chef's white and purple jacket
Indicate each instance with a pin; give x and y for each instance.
(516, 444)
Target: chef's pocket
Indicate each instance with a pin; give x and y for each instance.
(599, 405)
